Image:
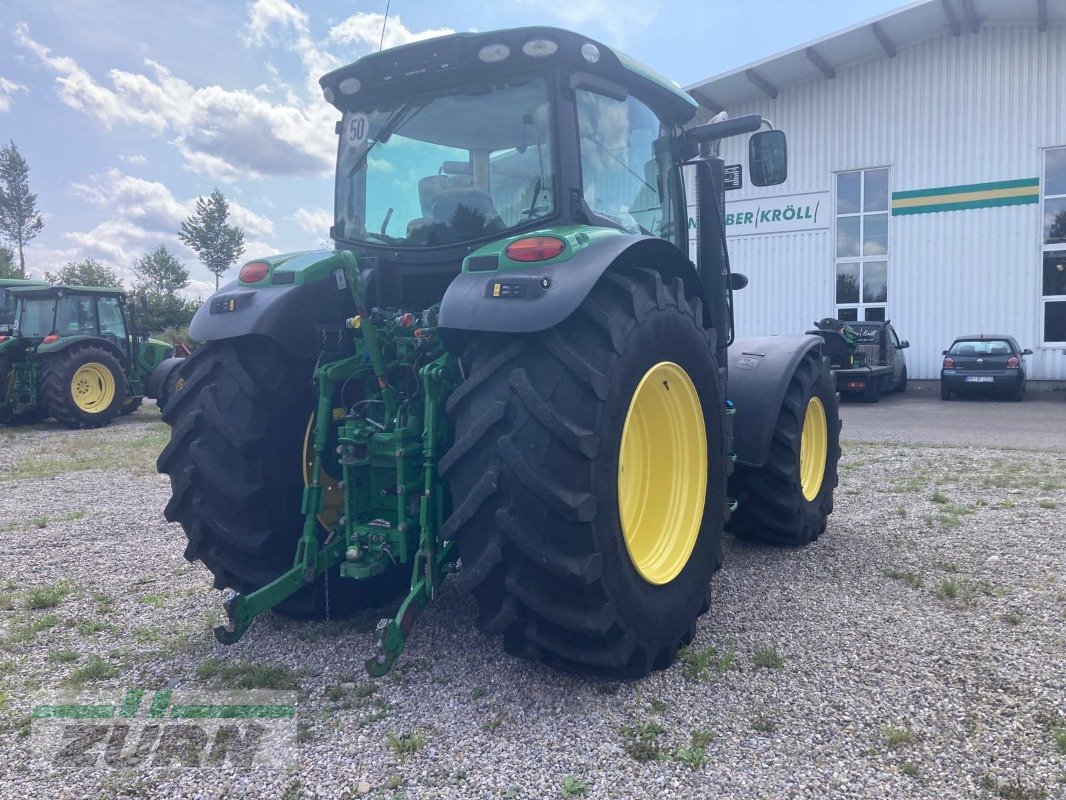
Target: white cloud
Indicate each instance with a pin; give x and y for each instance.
(136, 159)
(143, 215)
(313, 220)
(364, 29)
(223, 133)
(7, 91)
(618, 17)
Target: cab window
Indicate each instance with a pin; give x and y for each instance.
(75, 316)
(619, 171)
(111, 322)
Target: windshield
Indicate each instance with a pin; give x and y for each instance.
(988, 347)
(450, 169)
(36, 318)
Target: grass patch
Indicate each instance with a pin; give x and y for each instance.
(573, 786)
(763, 724)
(910, 769)
(25, 633)
(698, 662)
(768, 657)
(90, 626)
(155, 600)
(948, 588)
(940, 497)
(1058, 735)
(1014, 618)
(63, 656)
(406, 744)
(94, 450)
(897, 736)
(694, 755)
(641, 741)
(93, 670)
(46, 596)
(1048, 504)
(909, 577)
(242, 675)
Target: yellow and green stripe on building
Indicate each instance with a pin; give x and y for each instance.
(960, 198)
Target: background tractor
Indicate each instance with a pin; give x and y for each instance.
(508, 363)
(74, 353)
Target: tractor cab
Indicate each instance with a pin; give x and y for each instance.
(47, 314)
(449, 145)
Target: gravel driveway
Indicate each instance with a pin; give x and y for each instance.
(916, 650)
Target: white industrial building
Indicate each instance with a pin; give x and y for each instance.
(927, 179)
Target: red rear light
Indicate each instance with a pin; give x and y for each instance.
(3, 339)
(254, 271)
(949, 363)
(535, 248)
(1012, 361)
(50, 338)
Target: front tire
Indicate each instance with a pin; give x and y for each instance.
(788, 500)
(83, 387)
(568, 557)
(235, 461)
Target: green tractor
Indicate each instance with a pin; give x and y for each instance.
(508, 368)
(74, 353)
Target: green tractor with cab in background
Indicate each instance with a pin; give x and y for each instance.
(508, 368)
(74, 353)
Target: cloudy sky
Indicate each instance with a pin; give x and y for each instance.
(127, 110)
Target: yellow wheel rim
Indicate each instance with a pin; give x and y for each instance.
(814, 444)
(333, 495)
(92, 388)
(662, 473)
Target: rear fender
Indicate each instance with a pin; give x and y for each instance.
(760, 368)
(285, 312)
(67, 342)
(537, 297)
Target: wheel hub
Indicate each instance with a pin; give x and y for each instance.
(92, 388)
(662, 473)
(814, 446)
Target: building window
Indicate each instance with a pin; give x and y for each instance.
(862, 245)
(1053, 278)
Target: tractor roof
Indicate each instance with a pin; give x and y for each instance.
(17, 283)
(435, 64)
(44, 290)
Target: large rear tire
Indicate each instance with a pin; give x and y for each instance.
(788, 500)
(572, 559)
(83, 387)
(235, 462)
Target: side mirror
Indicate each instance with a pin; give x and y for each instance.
(768, 158)
(737, 281)
(943, 352)
(904, 345)
(1027, 352)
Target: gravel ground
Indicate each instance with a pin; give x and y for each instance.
(916, 650)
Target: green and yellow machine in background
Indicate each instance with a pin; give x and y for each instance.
(508, 367)
(74, 353)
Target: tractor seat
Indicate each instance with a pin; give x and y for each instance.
(447, 203)
(431, 186)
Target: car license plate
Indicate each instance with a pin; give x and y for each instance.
(979, 379)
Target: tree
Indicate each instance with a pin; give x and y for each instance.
(159, 278)
(1056, 232)
(216, 243)
(88, 272)
(7, 264)
(20, 221)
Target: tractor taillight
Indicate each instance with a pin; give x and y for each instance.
(3, 339)
(949, 363)
(535, 248)
(254, 271)
(51, 338)
(1012, 361)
